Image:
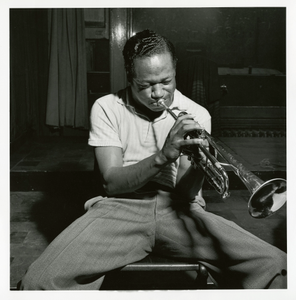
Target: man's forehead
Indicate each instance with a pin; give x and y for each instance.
(151, 57)
(155, 65)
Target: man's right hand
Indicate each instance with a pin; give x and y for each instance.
(176, 138)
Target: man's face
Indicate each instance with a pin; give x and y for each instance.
(154, 79)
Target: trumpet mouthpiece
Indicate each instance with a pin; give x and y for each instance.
(161, 102)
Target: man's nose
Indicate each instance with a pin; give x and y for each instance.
(157, 91)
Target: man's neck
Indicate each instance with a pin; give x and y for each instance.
(143, 110)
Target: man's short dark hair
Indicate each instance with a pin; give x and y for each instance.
(145, 44)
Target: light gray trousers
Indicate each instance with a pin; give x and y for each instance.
(116, 232)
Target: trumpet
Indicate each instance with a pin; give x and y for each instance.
(266, 197)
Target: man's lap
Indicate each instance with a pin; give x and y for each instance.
(115, 232)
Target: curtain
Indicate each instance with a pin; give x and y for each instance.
(197, 78)
(67, 103)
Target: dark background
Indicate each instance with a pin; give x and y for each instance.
(235, 38)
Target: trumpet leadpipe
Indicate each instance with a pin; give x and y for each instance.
(161, 102)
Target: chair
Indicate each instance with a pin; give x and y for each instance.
(160, 264)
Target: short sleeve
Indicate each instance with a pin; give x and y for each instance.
(103, 126)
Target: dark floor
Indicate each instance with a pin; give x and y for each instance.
(51, 178)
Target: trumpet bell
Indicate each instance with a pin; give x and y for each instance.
(268, 198)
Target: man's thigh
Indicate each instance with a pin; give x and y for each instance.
(111, 234)
(188, 232)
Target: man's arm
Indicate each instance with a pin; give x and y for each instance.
(189, 180)
(118, 179)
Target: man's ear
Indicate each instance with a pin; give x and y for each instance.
(129, 77)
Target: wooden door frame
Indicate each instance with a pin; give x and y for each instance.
(120, 31)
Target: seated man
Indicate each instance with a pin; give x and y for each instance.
(154, 191)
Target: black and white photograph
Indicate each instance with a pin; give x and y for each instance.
(149, 150)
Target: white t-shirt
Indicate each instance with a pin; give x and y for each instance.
(114, 122)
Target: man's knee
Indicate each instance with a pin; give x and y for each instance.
(281, 261)
(278, 268)
(34, 279)
(28, 282)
